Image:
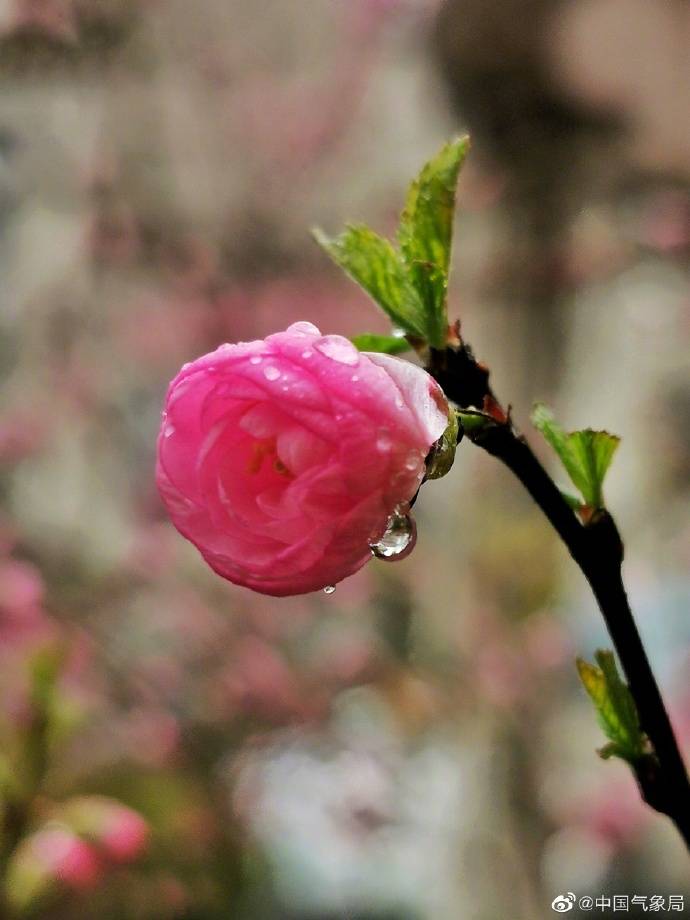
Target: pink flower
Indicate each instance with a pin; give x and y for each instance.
(119, 833)
(64, 856)
(124, 836)
(281, 459)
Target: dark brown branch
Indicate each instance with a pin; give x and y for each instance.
(598, 550)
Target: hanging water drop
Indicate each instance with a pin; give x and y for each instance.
(399, 538)
(255, 359)
(329, 589)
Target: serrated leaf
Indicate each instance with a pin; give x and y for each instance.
(426, 232)
(374, 263)
(592, 452)
(431, 284)
(442, 455)
(615, 707)
(386, 344)
(585, 454)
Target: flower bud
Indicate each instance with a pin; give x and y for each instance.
(283, 459)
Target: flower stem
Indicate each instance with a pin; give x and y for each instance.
(597, 548)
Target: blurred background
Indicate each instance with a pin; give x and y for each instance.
(414, 746)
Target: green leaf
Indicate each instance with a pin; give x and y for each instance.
(375, 265)
(543, 420)
(592, 452)
(615, 707)
(426, 233)
(387, 344)
(585, 454)
(442, 454)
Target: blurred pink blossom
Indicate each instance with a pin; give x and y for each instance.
(65, 856)
(23, 622)
(120, 832)
(259, 680)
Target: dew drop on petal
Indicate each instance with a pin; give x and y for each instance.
(307, 353)
(168, 430)
(303, 328)
(413, 460)
(255, 359)
(271, 373)
(338, 349)
(399, 538)
(384, 442)
(354, 378)
(329, 589)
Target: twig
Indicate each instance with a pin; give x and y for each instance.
(598, 550)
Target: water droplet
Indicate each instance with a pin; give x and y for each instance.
(307, 353)
(384, 442)
(329, 589)
(413, 460)
(354, 378)
(338, 349)
(399, 403)
(168, 430)
(271, 373)
(186, 365)
(399, 538)
(255, 359)
(303, 328)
